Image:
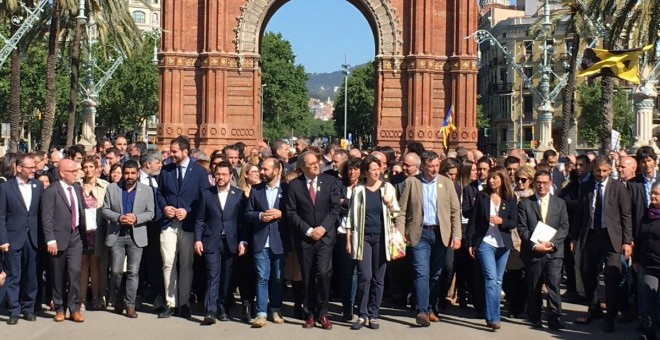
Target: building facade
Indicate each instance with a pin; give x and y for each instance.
(147, 18)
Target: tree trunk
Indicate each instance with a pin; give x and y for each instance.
(51, 64)
(15, 97)
(607, 89)
(73, 89)
(567, 101)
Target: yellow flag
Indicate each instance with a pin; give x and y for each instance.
(623, 64)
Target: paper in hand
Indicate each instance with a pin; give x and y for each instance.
(542, 233)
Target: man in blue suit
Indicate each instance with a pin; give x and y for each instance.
(270, 239)
(179, 196)
(19, 216)
(217, 239)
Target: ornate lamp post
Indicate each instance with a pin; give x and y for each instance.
(644, 96)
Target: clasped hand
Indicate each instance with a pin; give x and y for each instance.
(178, 213)
(271, 215)
(317, 233)
(128, 219)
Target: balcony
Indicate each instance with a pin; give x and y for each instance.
(501, 88)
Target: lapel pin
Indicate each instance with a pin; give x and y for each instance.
(232, 192)
(279, 196)
(34, 185)
(440, 185)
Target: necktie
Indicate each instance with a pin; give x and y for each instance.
(74, 210)
(598, 210)
(151, 181)
(180, 175)
(312, 192)
(544, 208)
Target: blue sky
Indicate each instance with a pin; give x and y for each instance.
(321, 31)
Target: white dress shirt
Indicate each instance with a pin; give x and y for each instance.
(26, 192)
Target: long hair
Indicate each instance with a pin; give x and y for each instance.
(241, 182)
(506, 190)
(464, 173)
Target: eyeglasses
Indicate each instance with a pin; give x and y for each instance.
(406, 165)
(521, 179)
(544, 184)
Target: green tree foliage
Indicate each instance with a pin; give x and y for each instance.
(361, 99)
(590, 122)
(285, 94)
(482, 121)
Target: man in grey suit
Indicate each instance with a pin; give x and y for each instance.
(128, 206)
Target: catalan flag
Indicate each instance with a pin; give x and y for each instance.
(447, 126)
(623, 64)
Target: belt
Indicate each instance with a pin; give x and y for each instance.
(431, 227)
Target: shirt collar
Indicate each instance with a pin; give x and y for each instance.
(185, 163)
(20, 182)
(223, 192)
(604, 183)
(540, 199)
(307, 179)
(646, 180)
(424, 180)
(143, 174)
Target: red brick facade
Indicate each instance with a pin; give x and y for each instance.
(210, 77)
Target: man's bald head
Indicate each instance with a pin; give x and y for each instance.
(627, 168)
(68, 170)
(355, 152)
(411, 164)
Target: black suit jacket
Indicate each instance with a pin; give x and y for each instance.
(470, 193)
(188, 196)
(56, 216)
(529, 214)
(640, 180)
(616, 208)
(302, 214)
(637, 204)
(478, 225)
(17, 222)
(212, 220)
(277, 232)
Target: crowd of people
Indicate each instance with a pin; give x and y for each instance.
(177, 228)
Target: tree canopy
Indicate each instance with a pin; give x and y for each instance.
(361, 103)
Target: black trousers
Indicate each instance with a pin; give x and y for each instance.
(546, 271)
(316, 269)
(151, 266)
(514, 285)
(598, 246)
(463, 268)
(569, 267)
(66, 267)
(371, 276)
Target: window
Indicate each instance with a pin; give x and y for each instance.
(529, 48)
(528, 106)
(156, 19)
(569, 46)
(139, 17)
(528, 133)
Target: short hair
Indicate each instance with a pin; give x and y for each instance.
(21, 158)
(101, 141)
(89, 159)
(549, 153)
(390, 156)
(150, 157)
(461, 153)
(39, 153)
(484, 159)
(416, 147)
(542, 166)
(277, 144)
(342, 153)
(231, 147)
(57, 153)
(366, 162)
(644, 152)
(602, 159)
(428, 156)
(73, 150)
(300, 162)
(584, 158)
(511, 160)
(655, 185)
(141, 146)
(182, 142)
(331, 146)
(541, 173)
(222, 164)
(526, 170)
(130, 164)
(448, 164)
(277, 164)
(113, 150)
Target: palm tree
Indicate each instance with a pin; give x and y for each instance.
(10, 8)
(73, 86)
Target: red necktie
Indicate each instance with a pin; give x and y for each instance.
(74, 211)
(312, 192)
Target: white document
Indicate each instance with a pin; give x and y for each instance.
(90, 218)
(543, 233)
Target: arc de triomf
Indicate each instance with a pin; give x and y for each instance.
(210, 76)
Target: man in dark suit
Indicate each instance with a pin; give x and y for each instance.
(217, 240)
(270, 239)
(312, 209)
(647, 161)
(543, 258)
(19, 216)
(180, 187)
(604, 232)
(64, 229)
(128, 206)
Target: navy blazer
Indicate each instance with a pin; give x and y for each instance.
(302, 214)
(478, 224)
(188, 196)
(212, 220)
(277, 232)
(17, 223)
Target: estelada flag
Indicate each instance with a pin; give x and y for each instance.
(447, 126)
(623, 64)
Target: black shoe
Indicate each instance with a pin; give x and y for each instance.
(373, 324)
(357, 325)
(208, 320)
(29, 317)
(298, 312)
(12, 320)
(556, 325)
(184, 312)
(608, 327)
(537, 324)
(246, 313)
(222, 316)
(166, 313)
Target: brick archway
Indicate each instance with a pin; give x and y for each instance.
(210, 75)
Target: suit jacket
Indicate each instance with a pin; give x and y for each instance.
(188, 196)
(478, 224)
(640, 180)
(616, 208)
(56, 215)
(158, 213)
(470, 193)
(637, 204)
(17, 222)
(529, 214)
(212, 220)
(302, 214)
(411, 217)
(277, 232)
(113, 208)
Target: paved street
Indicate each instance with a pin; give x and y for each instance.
(395, 324)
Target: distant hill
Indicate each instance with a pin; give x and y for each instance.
(322, 85)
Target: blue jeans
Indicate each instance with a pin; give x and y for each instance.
(428, 257)
(493, 262)
(269, 268)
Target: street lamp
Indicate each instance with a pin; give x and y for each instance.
(345, 66)
(88, 136)
(261, 118)
(81, 19)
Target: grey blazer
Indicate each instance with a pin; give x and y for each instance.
(143, 208)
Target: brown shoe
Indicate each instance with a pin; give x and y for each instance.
(130, 312)
(433, 317)
(422, 320)
(77, 317)
(59, 317)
